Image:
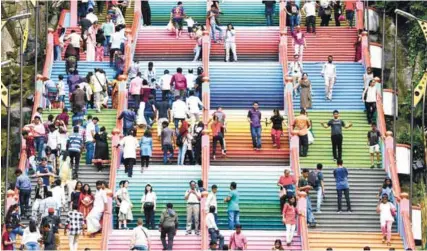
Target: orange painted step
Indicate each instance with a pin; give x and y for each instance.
(84, 242)
(351, 241)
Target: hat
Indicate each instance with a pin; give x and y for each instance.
(51, 210)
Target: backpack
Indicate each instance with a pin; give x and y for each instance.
(180, 140)
(313, 179)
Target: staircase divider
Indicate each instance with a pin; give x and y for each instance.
(132, 37)
(293, 137)
(387, 147)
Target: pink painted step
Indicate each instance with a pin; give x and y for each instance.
(120, 240)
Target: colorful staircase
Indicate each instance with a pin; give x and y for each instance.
(128, 17)
(171, 189)
(252, 43)
(84, 242)
(347, 91)
(335, 41)
(239, 147)
(160, 11)
(251, 13)
(259, 195)
(264, 240)
(355, 241)
(83, 68)
(238, 85)
(121, 239)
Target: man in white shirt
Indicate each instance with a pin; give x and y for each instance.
(179, 111)
(295, 70)
(89, 134)
(75, 40)
(165, 85)
(194, 104)
(53, 139)
(191, 79)
(329, 74)
(213, 228)
(193, 196)
(211, 201)
(91, 16)
(59, 196)
(117, 38)
(99, 207)
(99, 81)
(309, 9)
(140, 237)
(133, 70)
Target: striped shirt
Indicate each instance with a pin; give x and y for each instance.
(75, 142)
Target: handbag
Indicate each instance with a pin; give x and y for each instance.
(327, 11)
(310, 138)
(170, 27)
(148, 205)
(393, 211)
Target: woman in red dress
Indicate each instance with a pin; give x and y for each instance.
(358, 46)
(85, 200)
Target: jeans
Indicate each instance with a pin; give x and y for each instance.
(256, 136)
(269, 13)
(107, 45)
(16, 231)
(136, 100)
(233, 219)
(197, 51)
(39, 141)
(129, 162)
(214, 27)
(371, 108)
(214, 143)
(215, 235)
(337, 146)
(167, 149)
(349, 14)
(24, 198)
(170, 231)
(303, 145)
(193, 211)
(32, 246)
(294, 22)
(310, 215)
(311, 24)
(57, 53)
(140, 247)
(149, 217)
(74, 161)
(181, 154)
(319, 198)
(90, 149)
(347, 198)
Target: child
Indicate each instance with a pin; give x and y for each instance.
(99, 52)
(190, 24)
(289, 214)
(146, 146)
(61, 91)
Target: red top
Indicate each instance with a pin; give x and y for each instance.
(284, 181)
(179, 81)
(216, 128)
(290, 213)
(56, 38)
(6, 237)
(350, 5)
(64, 117)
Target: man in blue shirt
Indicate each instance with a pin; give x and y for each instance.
(23, 184)
(233, 209)
(74, 147)
(129, 118)
(254, 118)
(341, 179)
(44, 171)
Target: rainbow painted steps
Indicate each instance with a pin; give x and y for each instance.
(160, 11)
(251, 13)
(259, 195)
(239, 146)
(169, 182)
(355, 149)
(84, 242)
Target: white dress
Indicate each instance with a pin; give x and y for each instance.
(385, 213)
(95, 215)
(125, 212)
(140, 120)
(90, 44)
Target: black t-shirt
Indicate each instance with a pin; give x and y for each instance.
(374, 137)
(53, 221)
(277, 122)
(162, 108)
(269, 4)
(85, 23)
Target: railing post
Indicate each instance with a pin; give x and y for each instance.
(405, 206)
(206, 47)
(203, 227)
(365, 50)
(302, 220)
(282, 17)
(359, 15)
(205, 137)
(73, 13)
(208, 8)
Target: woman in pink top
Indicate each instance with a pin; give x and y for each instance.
(290, 214)
(299, 42)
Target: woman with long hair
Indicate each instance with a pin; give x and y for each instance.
(305, 98)
(101, 148)
(277, 245)
(75, 195)
(129, 144)
(123, 201)
(149, 203)
(40, 195)
(289, 217)
(277, 128)
(85, 200)
(146, 149)
(387, 188)
(183, 141)
(230, 43)
(358, 46)
(217, 134)
(387, 212)
(14, 219)
(31, 236)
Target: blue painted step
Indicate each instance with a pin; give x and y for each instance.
(83, 68)
(237, 85)
(347, 92)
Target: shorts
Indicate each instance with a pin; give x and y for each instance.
(97, 96)
(374, 149)
(178, 24)
(61, 98)
(190, 29)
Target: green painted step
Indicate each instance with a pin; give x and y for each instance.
(107, 118)
(128, 18)
(355, 150)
